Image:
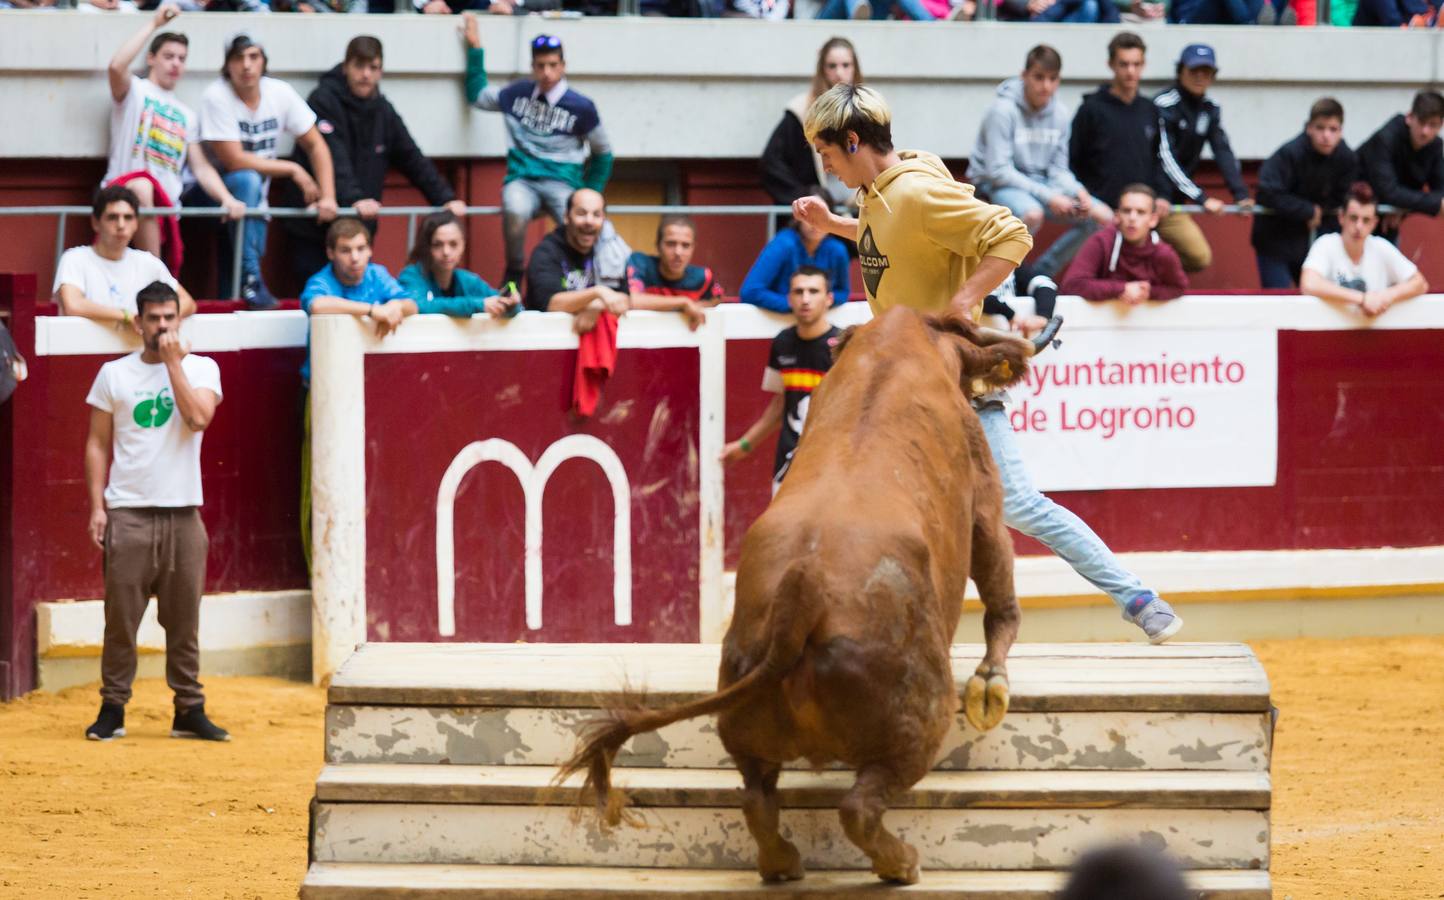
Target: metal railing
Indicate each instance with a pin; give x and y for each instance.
(414, 213)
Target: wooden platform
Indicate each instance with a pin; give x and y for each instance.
(440, 761)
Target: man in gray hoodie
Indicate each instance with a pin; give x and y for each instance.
(1021, 159)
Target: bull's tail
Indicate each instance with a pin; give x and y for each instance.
(794, 613)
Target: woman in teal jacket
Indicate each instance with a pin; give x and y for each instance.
(438, 284)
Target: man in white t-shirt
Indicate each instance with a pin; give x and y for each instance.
(143, 474)
(1355, 267)
(101, 281)
(153, 135)
(244, 115)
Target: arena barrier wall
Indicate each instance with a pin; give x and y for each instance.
(1360, 415)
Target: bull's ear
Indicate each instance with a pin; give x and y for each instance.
(986, 369)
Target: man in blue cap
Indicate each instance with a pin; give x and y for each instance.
(1190, 120)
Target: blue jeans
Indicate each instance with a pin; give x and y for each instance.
(842, 9)
(1073, 11)
(1052, 260)
(522, 200)
(246, 185)
(1029, 512)
(1277, 272)
(1215, 12)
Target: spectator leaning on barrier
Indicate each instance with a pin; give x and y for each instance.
(1115, 135)
(1404, 162)
(1127, 261)
(768, 281)
(437, 282)
(365, 136)
(563, 274)
(1357, 268)
(669, 281)
(1189, 120)
(148, 413)
(1302, 185)
(243, 115)
(1021, 159)
(556, 136)
(101, 281)
(154, 136)
(790, 167)
(351, 284)
(801, 354)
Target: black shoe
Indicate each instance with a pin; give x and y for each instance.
(255, 295)
(192, 723)
(109, 725)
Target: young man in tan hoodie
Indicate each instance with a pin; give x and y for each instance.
(926, 242)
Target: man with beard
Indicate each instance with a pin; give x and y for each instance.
(564, 273)
(365, 135)
(148, 413)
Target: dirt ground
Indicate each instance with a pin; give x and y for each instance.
(1358, 784)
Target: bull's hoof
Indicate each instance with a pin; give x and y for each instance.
(785, 866)
(904, 871)
(985, 701)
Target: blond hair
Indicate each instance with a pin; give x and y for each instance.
(850, 108)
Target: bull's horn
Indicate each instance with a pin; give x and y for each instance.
(1049, 335)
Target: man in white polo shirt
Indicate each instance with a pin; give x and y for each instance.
(143, 474)
(100, 281)
(244, 115)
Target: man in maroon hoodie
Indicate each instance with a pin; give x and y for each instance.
(1127, 261)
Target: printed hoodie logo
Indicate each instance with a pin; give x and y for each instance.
(873, 262)
(154, 412)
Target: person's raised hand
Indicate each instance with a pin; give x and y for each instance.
(164, 15)
(471, 30)
(812, 211)
(171, 348)
(367, 208)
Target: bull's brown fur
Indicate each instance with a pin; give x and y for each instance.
(850, 588)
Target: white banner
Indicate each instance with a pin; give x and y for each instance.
(1151, 409)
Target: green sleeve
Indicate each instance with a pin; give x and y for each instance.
(597, 172)
(475, 73)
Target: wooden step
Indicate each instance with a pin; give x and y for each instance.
(351, 881)
(1045, 677)
(520, 785)
(695, 837)
(491, 736)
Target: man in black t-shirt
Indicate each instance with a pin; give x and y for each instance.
(563, 275)
(800, 356)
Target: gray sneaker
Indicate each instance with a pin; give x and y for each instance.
(1153, 614)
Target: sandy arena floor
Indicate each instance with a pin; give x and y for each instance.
(1358, 784)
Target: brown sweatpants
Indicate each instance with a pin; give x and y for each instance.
(160, 552)
(1182, 233)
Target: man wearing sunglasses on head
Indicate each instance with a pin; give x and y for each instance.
(556, 137)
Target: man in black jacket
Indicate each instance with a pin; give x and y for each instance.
(1404, 162)
(1189, 121)
(366, 136)
(1303, 186)
(1114, 140)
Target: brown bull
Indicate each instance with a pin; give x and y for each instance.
(850, 587)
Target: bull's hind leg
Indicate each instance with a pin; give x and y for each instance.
(985, 698)
(777, 858)
(861, 813)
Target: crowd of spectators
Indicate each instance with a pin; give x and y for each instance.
(1340, 13)
(1113, 174)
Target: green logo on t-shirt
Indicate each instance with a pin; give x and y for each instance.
(155, 412)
